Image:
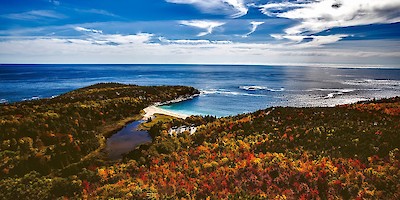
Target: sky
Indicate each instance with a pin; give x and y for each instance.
(280, 32)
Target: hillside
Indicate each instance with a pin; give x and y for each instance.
(349, 151)
(49, 134)
(346, 152)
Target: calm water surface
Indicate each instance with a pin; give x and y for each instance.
(125, 140)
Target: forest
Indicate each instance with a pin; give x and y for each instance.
(50, 134)
(344, 152)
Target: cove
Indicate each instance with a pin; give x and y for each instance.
(126, 140)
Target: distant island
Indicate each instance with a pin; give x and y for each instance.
(52, 148)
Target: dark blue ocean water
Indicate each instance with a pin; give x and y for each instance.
(226, 90)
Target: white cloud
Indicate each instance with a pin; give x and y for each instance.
(81, 29)
(138, 49)
(97, 11)
(296, 38)
(322, 40)
(35, 15)
(234, 8)
(273, 9)
(97, 37)
(254, 25)
(316, 41)
(209, 26)
(55, 2)
(315, 16)
(239, 6)
(118, 39)
(193, 42)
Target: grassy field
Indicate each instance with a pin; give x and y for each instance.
(158, 118)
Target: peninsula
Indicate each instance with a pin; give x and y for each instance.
(48, 135)
(50, 149)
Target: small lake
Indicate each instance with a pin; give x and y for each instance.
(126, 140)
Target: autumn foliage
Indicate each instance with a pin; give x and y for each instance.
(285, 153)
(50, 134)
(344, 152)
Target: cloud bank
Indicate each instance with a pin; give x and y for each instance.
(97, 37)
(95, 46)
(301, 31)
(315, 16)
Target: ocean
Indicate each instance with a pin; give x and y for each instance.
(225, 90)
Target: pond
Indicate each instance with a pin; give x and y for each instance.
(126, 140)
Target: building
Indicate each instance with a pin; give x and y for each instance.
(181, 129)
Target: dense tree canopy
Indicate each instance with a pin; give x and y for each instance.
(51, 134)
(349, 151)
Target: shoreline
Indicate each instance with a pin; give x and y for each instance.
(112, 129)
(154, 109)
(151, 110)
(177, 100)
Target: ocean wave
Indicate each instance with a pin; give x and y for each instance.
(374, 82)
(148, 75)
(335, 92)
(3, 101)
(345, 90)
(310, 101)
(333, 95)
(256, 87)
(228, 93)
(343, 75)
(30, 99)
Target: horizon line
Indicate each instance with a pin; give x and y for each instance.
(322, 65)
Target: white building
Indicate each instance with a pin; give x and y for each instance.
(181, 129)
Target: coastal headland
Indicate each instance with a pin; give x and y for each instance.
(47, 135)
(49, 149)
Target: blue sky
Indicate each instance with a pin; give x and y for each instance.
(296, 32)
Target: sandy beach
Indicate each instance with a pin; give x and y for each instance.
(151, 110)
